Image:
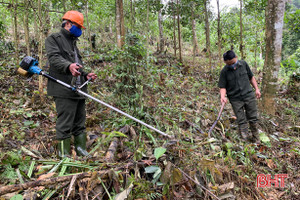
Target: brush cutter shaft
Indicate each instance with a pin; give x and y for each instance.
(123, 113)
(103, 103)
(56, 80)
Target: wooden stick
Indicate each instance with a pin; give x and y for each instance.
(219, 116)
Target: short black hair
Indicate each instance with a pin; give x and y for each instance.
(229, 55)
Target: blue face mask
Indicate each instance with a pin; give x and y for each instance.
(75, 31)
(232, 66)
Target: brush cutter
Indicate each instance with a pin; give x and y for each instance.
(29, 66)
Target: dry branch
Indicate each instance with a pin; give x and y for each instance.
(61, 179)
(45, 182)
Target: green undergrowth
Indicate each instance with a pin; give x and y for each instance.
(182, 101)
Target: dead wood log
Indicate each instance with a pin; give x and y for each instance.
(110, 154)
(45, 182)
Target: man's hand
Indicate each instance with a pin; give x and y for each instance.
(254, 84)
(74, 67)
(257, 94)
(223, 95)
(223, 100)
(91, 75)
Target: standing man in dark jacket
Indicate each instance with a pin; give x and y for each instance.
(66, 65)
(235, 80)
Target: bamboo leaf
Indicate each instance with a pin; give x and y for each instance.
(64, 168)
(30, 170)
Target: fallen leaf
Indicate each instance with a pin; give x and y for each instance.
(166, 175)
(176, 176)
(45, 176)
(177, 194)
(228, 196)
(271, 164)
(123, 195)
(148, 162)
(265, 139)
(225, 187)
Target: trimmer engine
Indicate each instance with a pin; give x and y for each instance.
(28, 67)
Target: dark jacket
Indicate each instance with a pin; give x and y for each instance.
(60, 52)
(237, 82)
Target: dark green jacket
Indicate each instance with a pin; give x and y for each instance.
(237, 82)
(60, 52)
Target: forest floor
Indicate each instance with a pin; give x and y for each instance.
(130, 161)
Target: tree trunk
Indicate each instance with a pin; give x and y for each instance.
(256, 39)
(241, 30)
(179, 33)
(26, 27)
(88, 25)
(255, 51)
(219, 35)
(110, 26)
(131, 15)
(207, 33)
(36, 29)
(15, 25)
(40, 48)
(147, 33)
(274, 25)
(120, 29)
(46, 24)
(122, 22)
(161, 34)
(174, 31)
(195, 41)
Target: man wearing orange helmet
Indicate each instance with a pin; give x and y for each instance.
(66, 65)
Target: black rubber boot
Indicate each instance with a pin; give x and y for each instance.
(254, 131)
(80, 144)
(243, 129)
(64, 147)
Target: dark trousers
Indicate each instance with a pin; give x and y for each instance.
(71, 116)
(245, 110)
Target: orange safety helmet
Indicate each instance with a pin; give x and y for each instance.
(74, 16)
